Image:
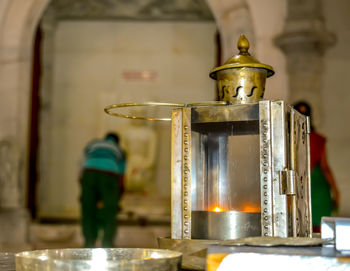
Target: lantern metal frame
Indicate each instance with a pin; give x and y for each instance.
(284, 166)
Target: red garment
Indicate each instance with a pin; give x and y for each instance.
(317, 148)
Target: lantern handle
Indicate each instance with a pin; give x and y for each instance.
(109, 109)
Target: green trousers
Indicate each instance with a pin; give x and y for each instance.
(321, 199)
(100, 194)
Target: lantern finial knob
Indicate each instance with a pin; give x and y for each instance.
(243, 45)
(242, 77)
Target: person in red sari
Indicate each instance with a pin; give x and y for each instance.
(324, 191)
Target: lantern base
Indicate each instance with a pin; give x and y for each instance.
(225, 225)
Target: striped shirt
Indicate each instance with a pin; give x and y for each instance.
(104, 155)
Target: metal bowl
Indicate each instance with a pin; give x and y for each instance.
(99, 259)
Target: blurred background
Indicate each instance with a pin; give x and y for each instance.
(63, 61)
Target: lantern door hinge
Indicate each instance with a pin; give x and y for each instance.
(287, 182)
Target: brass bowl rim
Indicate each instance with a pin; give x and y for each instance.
(75, 257)
(36, 254)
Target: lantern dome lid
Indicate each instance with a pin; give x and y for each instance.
(243, 59)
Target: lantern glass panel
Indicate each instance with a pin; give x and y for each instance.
(225, 161)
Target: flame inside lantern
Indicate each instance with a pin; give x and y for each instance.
(247, 208)
(217, 209)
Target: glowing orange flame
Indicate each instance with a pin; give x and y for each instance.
(217, 209)
(247, 208)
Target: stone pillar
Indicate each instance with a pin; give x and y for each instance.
(233, 18)
(18, 20)
(48, 26)
(304, 41)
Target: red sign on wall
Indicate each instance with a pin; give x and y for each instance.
(134, 75)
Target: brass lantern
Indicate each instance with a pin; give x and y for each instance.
(240, 169)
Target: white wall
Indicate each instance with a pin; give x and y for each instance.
(89, 61)
(336, 97)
